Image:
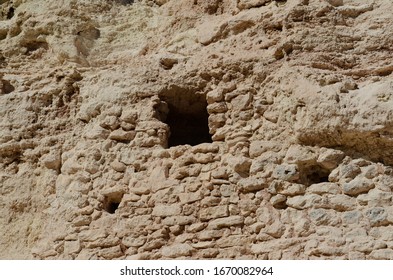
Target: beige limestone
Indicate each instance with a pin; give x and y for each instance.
(100, 158)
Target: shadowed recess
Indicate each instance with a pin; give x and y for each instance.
(186, 116)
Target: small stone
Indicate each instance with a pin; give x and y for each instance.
(252, 184)
(82, 221)
(330, 159)
(109, 241)
(278, 201)
(205, 148)
(272, 245)
(240, 164)
(357, 186)
(249, 221)
(276, 229)
(183, 238)
(322, 188)
(377, 216)
(356, 256)
(178, 250)
(349, 171)
(72, 247)
(376, 198)
(191, 197)
(139, 221)
(210, 201)
(110, 253)
(122, 136)
(220, 173)
(114, 193)
(227, 190)
(52, 160)
(209, 253)
(196, 227)
(215, 108)
(118, 166)
(214, 96)
(303, 202)
(319, 216)
(300, 155)
(71, 166)
(371, 171)
(203, 244)
(110, 123)
(168, 62)
(232, 241)
(352, 217)
(256, 227)
(288, 189)
(152, 245)
(206, 214)
(335, 3)
(178, 220)
(131, 241)
(287, 172)
(340, 202)
(141, 190)
(92, 235)
(382, 254)
(258, 148)
(247, 4)
(210, 234)
(176, 229)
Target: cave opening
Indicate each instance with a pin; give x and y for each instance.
(111, 203)
(11, 13)
(315, 175)
(185, 112)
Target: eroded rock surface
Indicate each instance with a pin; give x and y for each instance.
(243, 129)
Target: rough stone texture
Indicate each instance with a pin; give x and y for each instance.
(290, 157)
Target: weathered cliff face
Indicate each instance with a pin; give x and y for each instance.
(159, 129)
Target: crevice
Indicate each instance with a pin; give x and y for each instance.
(314, 175)
(7, 87)
(34, 45)
(111, 203)
(125, 2)
(373, 146)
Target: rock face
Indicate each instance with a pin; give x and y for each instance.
(250, 129)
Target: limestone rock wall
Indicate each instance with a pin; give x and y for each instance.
(231, 129)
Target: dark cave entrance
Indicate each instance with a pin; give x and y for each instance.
(11, 13)
(315, 175)
(185, 112)
(111, 203)
(188, 128)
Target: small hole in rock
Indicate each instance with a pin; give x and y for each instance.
(11, 13)
(112, 207)
(281, 2)
(315, 175)
(111, 204)
(282, 205)
(7, 87)
(34, 45)
(125, 2)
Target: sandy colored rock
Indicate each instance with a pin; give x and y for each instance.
(180, 129)
(179, 250)
(357, 186)
(163, 210)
